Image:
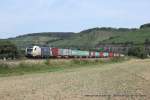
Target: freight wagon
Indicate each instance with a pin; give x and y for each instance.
(49, 52)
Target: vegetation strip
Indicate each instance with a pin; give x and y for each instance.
(51, 66)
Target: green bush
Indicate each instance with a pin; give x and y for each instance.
(138, 52)
(8, 50)
(145, 26)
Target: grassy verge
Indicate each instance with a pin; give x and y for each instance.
(52, 66)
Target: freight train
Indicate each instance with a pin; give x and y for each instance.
(51, 52)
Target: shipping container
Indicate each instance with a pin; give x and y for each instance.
(111, 54)
(101, 49)
(101, 54)
(92, 54)
(64, 52)
(85, 53)
(45, 52)
(110, 49)
(116, 54)
(55, 52)
(106, 49)
(106, 54)
(79, 53)
(74, 53)
(96, 54)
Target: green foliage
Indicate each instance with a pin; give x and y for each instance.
(8, 50)
(134, 36)
(41, 39)
(138, 52)
(86, 39)
(147, 41)
(145, 26)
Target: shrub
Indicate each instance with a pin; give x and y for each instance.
(138, 52)
(7, 50)
(145, 26)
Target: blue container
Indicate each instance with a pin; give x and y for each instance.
(45, 52)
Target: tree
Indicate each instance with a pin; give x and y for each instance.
(147, 41)
(8, 50)
(138, 52)
(145, 26)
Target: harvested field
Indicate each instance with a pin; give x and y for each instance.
(128, 80)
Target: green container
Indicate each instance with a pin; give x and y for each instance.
(79, 53)
(74, 53)
(101, 49)
(84, 53)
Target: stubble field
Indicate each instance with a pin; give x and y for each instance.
(129, 80)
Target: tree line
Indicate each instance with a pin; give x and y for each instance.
(8, 50)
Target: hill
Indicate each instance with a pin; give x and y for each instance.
(85, 39)
(43, 38)
(137, 37)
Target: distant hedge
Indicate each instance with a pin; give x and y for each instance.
(138, 52)
(8, 50)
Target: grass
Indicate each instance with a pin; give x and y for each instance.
(137, 36)
(51, 66)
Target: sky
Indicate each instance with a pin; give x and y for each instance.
(18, 17)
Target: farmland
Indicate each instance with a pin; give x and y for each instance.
(92, 82)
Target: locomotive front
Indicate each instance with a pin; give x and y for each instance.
(29, 51)
(34, 51)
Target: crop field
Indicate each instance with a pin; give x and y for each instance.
(128, 80)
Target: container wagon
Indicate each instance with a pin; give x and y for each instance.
(49, 52)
